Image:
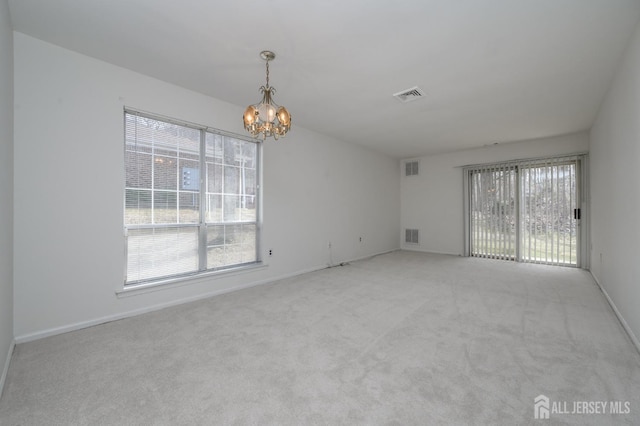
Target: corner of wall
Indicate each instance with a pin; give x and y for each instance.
(5, 370)
(613, 157)
(7, 342)
(623, 322)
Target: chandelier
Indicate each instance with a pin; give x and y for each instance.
(266, 118)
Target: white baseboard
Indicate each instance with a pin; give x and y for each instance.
(109, 318)
(624, 323)
(5, 370)
(368, 256)
(420, 250)
(97, 321)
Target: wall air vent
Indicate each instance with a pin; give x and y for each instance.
(411, 236)
(410, 94)
(411, 168)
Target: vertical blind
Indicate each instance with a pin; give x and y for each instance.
(493, 211)
(525, 210)
(549, 212)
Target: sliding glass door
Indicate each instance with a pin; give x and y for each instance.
(526, 211)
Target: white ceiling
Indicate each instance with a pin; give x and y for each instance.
(493, 70)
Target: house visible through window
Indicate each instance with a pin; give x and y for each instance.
(191, 199)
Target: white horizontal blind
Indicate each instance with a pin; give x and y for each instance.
(190, 199)
(161, 217)
(493, 191)
(231, 201)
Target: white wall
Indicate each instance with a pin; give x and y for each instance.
(6, 188)
(433, 201)
(615, 189)
(69, 191)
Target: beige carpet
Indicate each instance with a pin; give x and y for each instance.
(399, 339)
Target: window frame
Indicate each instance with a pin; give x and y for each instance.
(201, 225)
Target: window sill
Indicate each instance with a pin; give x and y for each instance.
(136, 289)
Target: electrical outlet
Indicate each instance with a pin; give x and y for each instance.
(360, 239)
(329, 245)
(270, 252)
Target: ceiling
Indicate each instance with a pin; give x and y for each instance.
(492, 71)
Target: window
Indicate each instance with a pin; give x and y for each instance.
(191, 199)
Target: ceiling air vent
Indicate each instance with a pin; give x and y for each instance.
(410, 94)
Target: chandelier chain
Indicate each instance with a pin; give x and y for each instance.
(267, 73)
